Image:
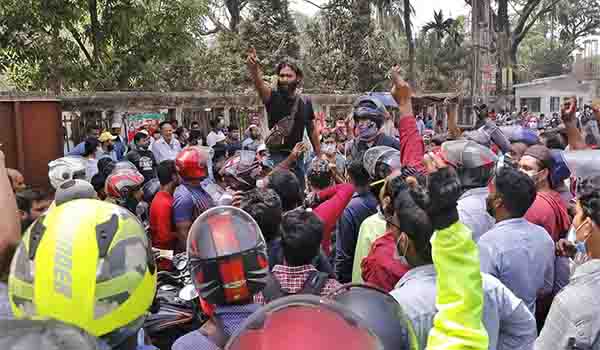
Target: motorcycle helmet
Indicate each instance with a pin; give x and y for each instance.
(369, 107)
(474, 163)
(242, 170)
(123, 165)
(86, 263)
(150, 190)
(381, 313)
(66, 168)
(380, 161)
(193, 163)
(227, 256)
(121, 184)
(304, 322)
(319, 173)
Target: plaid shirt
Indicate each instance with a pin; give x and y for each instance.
(292, 279)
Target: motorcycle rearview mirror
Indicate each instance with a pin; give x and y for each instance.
(188, 293)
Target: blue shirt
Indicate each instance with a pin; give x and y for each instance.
(509, 324)
(189, 202)
(521, 255)
(232, 316)
(472, 212)
(361, 206)
(79, 150)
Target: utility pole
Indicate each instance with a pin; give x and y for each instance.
(480, 31)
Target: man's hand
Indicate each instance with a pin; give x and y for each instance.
(568, 111)
(565, 248)
(297, 151)
(252, 60)
(401, 91)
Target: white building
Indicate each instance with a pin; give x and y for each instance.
(546, 94)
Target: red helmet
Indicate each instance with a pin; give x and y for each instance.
(307, 322)
(120, 184)
(227, 256)
(193, 162)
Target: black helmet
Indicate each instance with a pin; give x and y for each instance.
(304, 322)
(381, 313)
(150, 189)
(369, 107)
(227, 256)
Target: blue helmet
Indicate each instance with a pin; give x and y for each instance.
(369, 107)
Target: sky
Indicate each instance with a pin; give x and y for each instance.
(423, 9)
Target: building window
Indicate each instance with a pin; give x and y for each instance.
(554, 104)
(532, 103)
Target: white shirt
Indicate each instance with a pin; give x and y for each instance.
(211, 138)
(165, 151)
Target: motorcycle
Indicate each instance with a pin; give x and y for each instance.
(176, 309)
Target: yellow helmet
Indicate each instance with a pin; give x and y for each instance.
(87, 263)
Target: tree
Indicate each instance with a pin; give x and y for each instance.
(441, 27)
(270, 28)
(96, 44)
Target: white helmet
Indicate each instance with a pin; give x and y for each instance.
(66, 168)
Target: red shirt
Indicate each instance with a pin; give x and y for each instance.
(380, 268)
(336, 199)
(412, 148)
(549, 211)
(161, 221)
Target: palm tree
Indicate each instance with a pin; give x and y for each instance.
(441, 27)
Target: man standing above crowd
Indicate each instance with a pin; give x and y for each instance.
(289, 113)
(167, 147)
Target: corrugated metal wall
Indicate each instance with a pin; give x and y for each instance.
(32, 135)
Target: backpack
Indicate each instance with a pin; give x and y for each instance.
(313, 285)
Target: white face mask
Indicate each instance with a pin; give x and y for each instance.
(532, 174)
(572, 237)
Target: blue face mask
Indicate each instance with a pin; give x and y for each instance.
(572, 237)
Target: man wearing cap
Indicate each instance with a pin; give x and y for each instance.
(167, 147)
(142, 157)
(215, 132)
(107, 148)
(119, 145)
(253, 139)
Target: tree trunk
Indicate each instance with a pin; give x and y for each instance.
(95, 29)
(54, 83)
(361, 28)
(504, 44)
(411, 44)
(233, 7)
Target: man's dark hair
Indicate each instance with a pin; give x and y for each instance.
(106, 166)
(90, 146)
(553, 140)
(294, 67)
(213, 123)
(301, 235)
(517, 190)
(194, 123)
(164, 123)
(287, 186)
(264, 206)
(166, 170)
(413, 220)
(139, 136)
(589, 198)
(357, 172)
(36, 195)
(91, 128)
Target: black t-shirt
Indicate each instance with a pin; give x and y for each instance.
(144, 161)
(280, 106)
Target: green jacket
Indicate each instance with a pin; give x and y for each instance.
(459, 294)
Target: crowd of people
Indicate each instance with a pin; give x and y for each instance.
(343, 237)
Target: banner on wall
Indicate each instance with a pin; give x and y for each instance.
(137, 122)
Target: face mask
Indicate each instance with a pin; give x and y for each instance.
(328, 148)
(572, 237)
(367, 131)
(532, 174)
